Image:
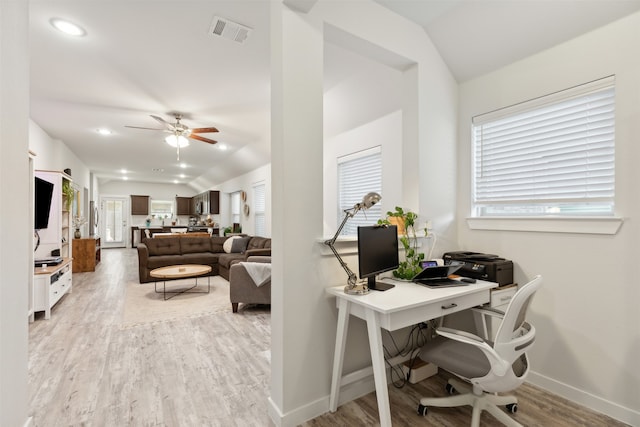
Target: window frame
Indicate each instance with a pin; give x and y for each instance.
(370, 216)
(583, 223)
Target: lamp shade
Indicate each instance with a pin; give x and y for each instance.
(177, 140)
(369, 200)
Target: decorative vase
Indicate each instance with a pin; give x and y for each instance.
(77, 234)
(148, 222)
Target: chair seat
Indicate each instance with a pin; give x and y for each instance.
(453, 356)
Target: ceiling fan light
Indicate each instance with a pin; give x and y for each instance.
(177, 140)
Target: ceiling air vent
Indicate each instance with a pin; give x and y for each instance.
(229, 30)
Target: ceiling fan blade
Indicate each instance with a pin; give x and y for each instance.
(204, 130)
(138, 127)
(163, 122)
(203, 139)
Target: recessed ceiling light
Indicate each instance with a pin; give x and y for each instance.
(182, 175)
(68, 27)
(222, 147)
(124, 178)
(123, 170)
(183, 165)
(103, 131)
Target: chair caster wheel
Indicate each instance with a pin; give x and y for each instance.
(422, 410)
(512, 407)
(450, 389)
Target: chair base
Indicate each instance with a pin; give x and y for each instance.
(477, 399)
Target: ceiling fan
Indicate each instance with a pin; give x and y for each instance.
(179, 133)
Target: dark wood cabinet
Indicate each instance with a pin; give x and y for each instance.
(139, 205)
(183, 206)
(214, 202)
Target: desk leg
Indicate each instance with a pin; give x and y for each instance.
(338, 355)
(379, 371)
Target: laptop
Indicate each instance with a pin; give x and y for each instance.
(438, 276)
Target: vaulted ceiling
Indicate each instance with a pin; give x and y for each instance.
(142, 58)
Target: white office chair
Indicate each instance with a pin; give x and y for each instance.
(490, 367)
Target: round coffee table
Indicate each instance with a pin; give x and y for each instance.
(174, 272)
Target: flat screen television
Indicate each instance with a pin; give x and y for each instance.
(43, 193)
(377, 253)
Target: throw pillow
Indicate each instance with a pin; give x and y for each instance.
(239, 245)
(228, 243)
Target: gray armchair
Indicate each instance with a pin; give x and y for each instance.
(242, 288)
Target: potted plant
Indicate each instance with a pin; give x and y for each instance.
(68, 194)
(406, 221)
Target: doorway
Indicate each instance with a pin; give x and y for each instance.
(113, 222)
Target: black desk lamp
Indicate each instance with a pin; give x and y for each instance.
(352, 288)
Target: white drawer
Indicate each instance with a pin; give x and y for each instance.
(501, 297)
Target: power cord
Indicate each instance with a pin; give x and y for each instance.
(418, 336)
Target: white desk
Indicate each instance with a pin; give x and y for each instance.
(405, 305)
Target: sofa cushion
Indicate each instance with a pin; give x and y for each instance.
(203, 258)
(239, 245)
(164, 261)
(165, 246)
(190, 245)
(228, 244)
(225, 260)
(259, 242)
(217, 242)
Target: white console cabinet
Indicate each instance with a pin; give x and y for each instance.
(50, 284)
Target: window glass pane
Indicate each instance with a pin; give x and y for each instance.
(554, 159)
(357, 176)
(259, 210)
(235, 207)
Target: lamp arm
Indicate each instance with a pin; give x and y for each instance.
(349, 213)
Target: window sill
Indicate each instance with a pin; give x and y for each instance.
(592, 225)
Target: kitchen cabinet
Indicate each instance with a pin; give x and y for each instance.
(183, 205)
(139, 205)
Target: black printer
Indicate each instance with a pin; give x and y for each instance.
(482, 266)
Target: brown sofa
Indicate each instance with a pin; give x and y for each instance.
(155, 253)
(242, 288)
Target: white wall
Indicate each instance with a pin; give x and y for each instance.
(586, 314)
(54, 155)
(246, 183)
(17, 226)
(303, 317)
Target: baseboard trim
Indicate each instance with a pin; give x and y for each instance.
(581, 397)
(318, 407)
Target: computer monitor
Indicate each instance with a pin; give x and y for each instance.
(377, 252)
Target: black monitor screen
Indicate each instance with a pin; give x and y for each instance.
(43, 193)
(377, 251)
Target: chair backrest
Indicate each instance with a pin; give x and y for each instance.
(513, 338)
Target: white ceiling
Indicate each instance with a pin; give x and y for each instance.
(156, 57)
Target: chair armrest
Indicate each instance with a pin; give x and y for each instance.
(498, 364)
(257, 252)
(481, 314)
(263, 259)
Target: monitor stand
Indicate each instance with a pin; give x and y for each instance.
(378, 286)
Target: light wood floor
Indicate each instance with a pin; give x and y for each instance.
(85, 369)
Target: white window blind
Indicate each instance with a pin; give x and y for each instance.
(235, 207)
(358, 174)
(550, 156)
(259, 209)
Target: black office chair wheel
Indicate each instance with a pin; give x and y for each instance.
(422, 410)
(450, 389)
(512, 407)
